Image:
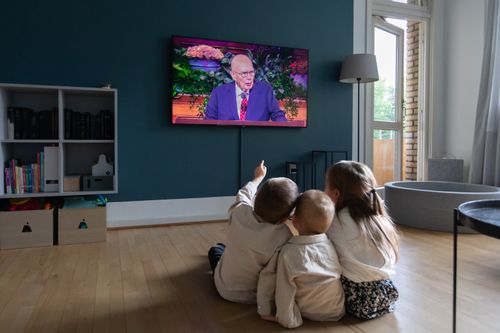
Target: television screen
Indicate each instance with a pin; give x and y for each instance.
(228, 83)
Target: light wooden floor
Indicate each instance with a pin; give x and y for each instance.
(158, 280)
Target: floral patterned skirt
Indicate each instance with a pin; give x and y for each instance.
(369, 300)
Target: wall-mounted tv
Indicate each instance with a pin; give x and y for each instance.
(230, 83)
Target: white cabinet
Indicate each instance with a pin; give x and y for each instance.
(58, 132)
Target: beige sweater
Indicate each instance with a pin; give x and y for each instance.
(251, 243)
(303, 280)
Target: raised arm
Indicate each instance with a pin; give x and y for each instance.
(247, 193)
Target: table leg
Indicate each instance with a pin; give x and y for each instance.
(455, 227)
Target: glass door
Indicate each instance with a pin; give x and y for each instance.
(386, 123)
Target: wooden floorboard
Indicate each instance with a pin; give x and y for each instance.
(158, 280)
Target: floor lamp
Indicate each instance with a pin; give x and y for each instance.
(359, 68)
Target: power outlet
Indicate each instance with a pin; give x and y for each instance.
(292, 168)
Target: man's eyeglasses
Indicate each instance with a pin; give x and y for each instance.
(246, 74)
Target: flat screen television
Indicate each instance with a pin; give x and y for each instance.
(231, 83)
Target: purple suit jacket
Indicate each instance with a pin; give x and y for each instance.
(262, 105)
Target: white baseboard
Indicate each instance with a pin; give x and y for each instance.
(157, 212)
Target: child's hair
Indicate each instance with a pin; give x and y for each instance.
(276, 199)
(356, 185)
(314, 212)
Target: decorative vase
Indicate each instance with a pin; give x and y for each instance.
(206, 65)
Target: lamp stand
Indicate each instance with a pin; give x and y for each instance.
(359, 121)
(359, 68)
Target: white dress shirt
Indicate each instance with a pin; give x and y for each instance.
(360, 259)
(303, 280)
(250, 245)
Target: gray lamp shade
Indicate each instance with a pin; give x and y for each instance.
(359, 68)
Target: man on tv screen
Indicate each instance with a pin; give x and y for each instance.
(245, 98)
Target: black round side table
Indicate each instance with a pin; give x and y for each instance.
(482, 216)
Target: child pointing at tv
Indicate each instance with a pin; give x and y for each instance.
(256, 231)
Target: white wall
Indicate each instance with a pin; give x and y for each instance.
(461, 23)
(159, 212)
(436, 131)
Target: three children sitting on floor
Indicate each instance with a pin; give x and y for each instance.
(339, 259)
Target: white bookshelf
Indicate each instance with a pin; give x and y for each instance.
(76, 155)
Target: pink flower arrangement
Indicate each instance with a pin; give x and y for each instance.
(204, 52)
(299, 67)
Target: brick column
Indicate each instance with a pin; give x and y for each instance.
(410, 139)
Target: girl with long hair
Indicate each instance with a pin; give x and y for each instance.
(365, 238)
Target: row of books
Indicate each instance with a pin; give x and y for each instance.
(24, 178)
(85, 125)
(27, 124)
(39, 176)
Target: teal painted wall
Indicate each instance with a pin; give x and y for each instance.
(127, 43)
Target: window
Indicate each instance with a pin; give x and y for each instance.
(397, 103)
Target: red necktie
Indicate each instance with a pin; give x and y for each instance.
(244, 106)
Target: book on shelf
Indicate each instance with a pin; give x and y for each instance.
(10, 123)
(18, 170)
(22, 177)
(27, 124)
(54, 128)
(8, 180)
(67, 123)
(18, 122)
(108, 124)
(18, 177)
(40, 159)
(26, 116)
(84, 126)
(88, 126)
(48, 124)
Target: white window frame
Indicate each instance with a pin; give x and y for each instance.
(397, 124)
(363, 43)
